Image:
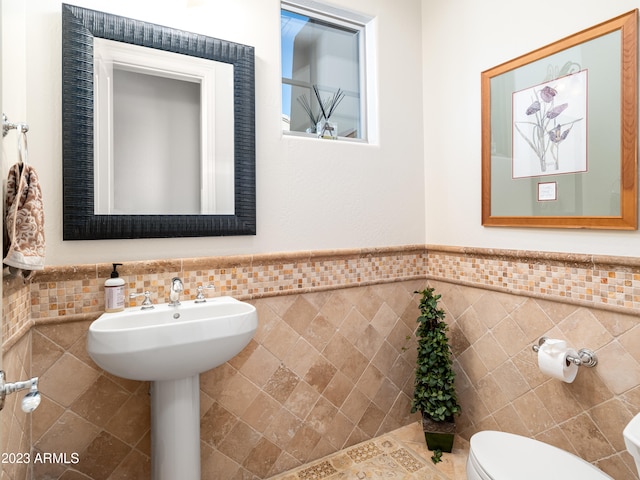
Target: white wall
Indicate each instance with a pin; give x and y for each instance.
(460, 40)
(13, 61)
(310, 194)
(323, 195)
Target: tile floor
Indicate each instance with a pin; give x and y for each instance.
(453, 465)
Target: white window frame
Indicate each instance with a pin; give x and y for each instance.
(352, 20)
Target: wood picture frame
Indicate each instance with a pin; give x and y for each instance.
(564, 114)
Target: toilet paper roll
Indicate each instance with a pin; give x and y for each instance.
(552, 360)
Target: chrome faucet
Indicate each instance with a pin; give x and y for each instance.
(176, 289)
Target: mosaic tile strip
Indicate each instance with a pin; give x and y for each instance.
(317, 472)
(408, 461)
(243, 277)
(16, 311)
(616, 285)
(364, 452)
(71, 292)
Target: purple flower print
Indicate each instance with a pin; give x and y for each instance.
(533, 108)
(556, 135)
(555, 111)
(545, 132)
(547, 94)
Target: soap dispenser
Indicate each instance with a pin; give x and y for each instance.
(114, 292)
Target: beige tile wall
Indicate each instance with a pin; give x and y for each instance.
(324, 371)
(327, 368)
(16, 425)
(499, 303)
(501, 387)
(331, 365)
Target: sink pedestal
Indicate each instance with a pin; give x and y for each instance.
(175, 429)
(170, 345)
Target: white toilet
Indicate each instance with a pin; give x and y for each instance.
(632, 439)
(505, 456)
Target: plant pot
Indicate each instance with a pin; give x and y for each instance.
(438, 435)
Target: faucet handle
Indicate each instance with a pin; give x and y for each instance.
(146, 303)
(176, 288)
(200, 298)
(177, 285)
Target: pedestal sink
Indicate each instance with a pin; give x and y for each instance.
(170, 346)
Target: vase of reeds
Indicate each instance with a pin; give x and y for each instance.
(327, 129)
(321, 123)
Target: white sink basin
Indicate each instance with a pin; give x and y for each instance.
(166, 342)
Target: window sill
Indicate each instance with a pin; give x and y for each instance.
(312, 136)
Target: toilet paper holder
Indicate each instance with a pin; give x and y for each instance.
(585, 358)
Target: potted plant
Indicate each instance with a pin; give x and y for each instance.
(434, 395)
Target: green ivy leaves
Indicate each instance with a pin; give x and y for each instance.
(434, 393)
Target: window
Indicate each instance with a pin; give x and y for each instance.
(322, 58)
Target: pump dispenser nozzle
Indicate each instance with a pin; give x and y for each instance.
(115, 274)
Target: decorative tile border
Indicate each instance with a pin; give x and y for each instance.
(70, 293)
(589, 280)
(16, 310)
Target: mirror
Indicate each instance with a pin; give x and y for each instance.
(144, 100)
(90, 183)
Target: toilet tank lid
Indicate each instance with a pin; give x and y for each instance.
(505, 456)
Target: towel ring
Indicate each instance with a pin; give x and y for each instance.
(23, 149)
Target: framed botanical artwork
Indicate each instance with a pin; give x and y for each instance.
(559, 133)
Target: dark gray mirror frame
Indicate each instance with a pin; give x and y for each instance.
(79, 27)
